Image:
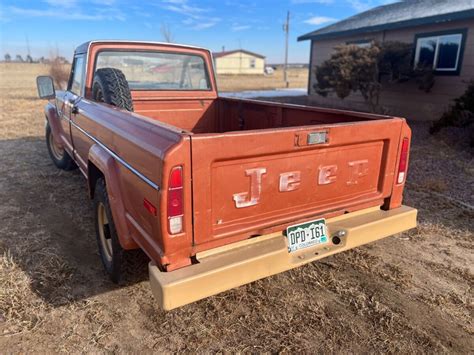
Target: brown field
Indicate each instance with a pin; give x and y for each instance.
(410, 293)
(297, 78)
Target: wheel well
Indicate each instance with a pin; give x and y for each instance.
(94, 174)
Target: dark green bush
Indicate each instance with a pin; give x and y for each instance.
(461, 114)
(352, 68)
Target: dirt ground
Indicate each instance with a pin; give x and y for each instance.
(410, 293)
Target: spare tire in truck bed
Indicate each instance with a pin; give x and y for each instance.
(111, 86)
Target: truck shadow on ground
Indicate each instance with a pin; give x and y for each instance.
(48, 227)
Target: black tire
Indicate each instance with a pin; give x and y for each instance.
(110, 250)
(111, 86)
(58, 155)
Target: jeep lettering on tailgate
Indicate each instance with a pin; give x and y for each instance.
(290, 181)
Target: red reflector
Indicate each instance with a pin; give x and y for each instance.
(176, 178)
(149, 207)
(402, 165)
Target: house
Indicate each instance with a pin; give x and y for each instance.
(442, 34)
(239, 61)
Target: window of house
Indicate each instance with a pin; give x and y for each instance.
(252, 63)
(441, 52)
(77, 75)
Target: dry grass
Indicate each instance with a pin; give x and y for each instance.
(297, 77)
(407, 294)
(435, 184)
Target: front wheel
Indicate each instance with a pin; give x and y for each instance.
(58, 155)
(110, 250)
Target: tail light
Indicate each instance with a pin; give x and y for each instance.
(402, 165)
(175, 201)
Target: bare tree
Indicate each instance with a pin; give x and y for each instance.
(29, 59)
(19, 58)
(167, 33)
(8, 58)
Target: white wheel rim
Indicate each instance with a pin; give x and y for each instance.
(104, 232)
(56, 150)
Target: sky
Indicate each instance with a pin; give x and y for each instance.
(48, 26)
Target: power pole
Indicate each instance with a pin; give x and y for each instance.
(28, 58)
(27, 45)
(286, 29)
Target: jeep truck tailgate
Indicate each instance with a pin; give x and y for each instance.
(247, 182)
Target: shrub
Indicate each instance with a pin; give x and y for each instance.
(59, 72)
(352, 68)
(395, 61)
(461, 114)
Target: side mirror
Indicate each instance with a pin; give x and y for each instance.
(45, 87)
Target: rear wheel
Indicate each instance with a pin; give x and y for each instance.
(111, 252)
(111, 86)
(58, 155)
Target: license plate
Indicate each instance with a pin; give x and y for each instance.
(307, 234)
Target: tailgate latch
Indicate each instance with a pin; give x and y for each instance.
(311, 138)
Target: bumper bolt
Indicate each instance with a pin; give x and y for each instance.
(341, 233)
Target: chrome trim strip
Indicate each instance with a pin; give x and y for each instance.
(120, 160)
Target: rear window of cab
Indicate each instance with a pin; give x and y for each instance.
(158, 70)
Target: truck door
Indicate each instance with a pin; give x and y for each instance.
(64, 103)
(64, 124)
(73, 96)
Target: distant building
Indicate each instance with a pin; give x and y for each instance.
(239, 62)
(442, 34)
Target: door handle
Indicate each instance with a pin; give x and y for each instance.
(74, 109)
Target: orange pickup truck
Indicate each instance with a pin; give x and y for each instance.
(218, 192)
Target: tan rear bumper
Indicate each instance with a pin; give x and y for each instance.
(239, 263)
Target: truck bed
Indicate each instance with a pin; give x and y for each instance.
(232, 140)
(238, 115)
(222, 115)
